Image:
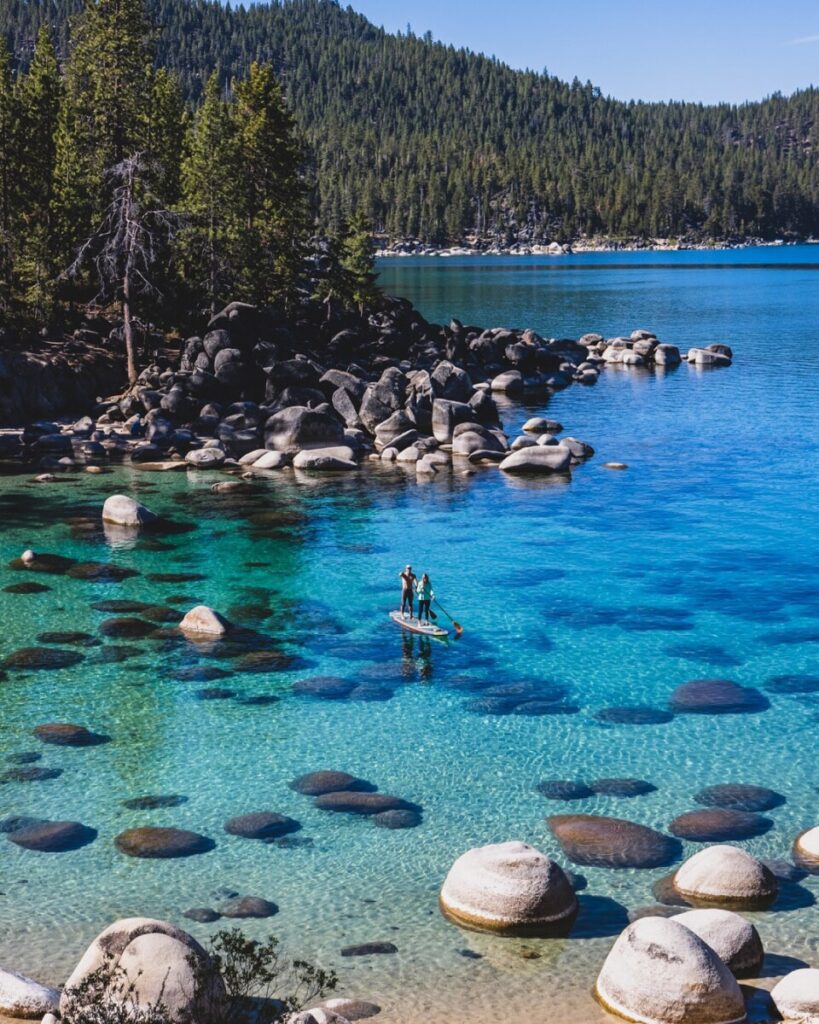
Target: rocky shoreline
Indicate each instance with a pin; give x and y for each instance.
(489, 247)
(258, 392)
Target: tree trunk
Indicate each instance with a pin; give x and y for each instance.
(128, 329)
(127, 321)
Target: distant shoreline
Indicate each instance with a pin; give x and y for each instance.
(581, 245)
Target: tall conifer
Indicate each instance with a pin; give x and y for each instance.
(273, 196)
(211, 196)
(39, 97)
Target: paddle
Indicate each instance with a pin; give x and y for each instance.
(458, 627)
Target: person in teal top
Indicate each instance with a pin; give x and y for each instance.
(425, 595)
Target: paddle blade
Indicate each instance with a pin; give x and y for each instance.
(458, 627)
(433, 616)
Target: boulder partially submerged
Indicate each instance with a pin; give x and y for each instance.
(796, 997)
(204, 621)
(806, 850)
(733, 938)
(726, 876)
(660, 972)
(510, 888)
(122, 510)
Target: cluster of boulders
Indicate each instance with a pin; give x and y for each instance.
(322, 394)
(662, 969)
(643, 348)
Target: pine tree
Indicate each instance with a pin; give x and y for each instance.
(105, 116)
(39, 96)
(273, 195)
(210, 174)
(9, 168)
(358, 263)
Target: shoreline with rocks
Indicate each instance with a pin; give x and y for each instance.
(578, 246)
(256, 393)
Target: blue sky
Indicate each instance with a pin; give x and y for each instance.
(706, 50)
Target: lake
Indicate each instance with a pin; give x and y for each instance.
(699, 561)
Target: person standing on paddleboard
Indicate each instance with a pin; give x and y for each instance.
(425, 596)
(408, 581)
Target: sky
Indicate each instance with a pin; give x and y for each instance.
(701, 50)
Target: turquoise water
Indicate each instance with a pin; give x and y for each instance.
(699, 561)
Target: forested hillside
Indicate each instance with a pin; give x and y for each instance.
(439, 144)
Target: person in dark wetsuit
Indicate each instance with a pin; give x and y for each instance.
(408, 581)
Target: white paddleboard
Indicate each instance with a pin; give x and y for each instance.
(414, 626)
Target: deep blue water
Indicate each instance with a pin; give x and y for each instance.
(699, 561)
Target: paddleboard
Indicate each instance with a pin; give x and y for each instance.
(414, 626)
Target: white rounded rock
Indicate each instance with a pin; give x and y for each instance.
(155, 958)
(121, 510)
(271, 460)
(25, 998)
(726, 876)
(660, 972)
(204, 621)
(734, 939)
(510, 382)
(538, 459)
(508, 887)
(796, 997)
(806, 850)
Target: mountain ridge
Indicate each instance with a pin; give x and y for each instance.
(439, 144)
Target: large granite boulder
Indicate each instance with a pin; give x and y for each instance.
(125, 511)
(806, 850)
(733, 938)
(538, 459)
(296, 428)
(510, 382)
(159, 963)
(796, 997)
(660, 972)
(383, 398)
(468, 438)
(446, 415)
(21, 997)
(726, 876)
(510, 888)
(326, 460)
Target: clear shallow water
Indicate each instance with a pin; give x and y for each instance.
(716, 519)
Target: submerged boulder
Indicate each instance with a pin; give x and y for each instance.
(598, 841)
(160, 964)
(717, 697)
(161, 843)
(659, 972)
(510, 888)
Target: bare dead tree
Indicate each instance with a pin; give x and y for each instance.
(125, 248)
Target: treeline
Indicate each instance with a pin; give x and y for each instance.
(438, 143)
(113, 190)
